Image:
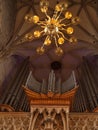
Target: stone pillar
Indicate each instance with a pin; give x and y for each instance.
(49, 117)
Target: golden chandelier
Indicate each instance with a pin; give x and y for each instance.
(56, 29)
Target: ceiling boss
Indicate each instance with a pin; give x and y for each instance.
(57, 28)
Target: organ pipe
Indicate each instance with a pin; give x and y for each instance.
(87, 96)
(14, 90)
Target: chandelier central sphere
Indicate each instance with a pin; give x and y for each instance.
(51, 27)
(56, 29)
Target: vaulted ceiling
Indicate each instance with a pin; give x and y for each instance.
(15, 44)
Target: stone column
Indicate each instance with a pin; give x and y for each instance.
(46, 117)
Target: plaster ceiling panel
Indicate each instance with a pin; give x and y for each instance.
(27, 47)
(38, 11)
(24, 52)
(7, 21)
(74, 9)
(20, 17)
(41, 62)
(93, 4)
(83, 34)
(77, 1)
(51, 54)
(27, 28)
(86, 23)
(93, 16)
(78, 54)
(35, 43)
(69, 61)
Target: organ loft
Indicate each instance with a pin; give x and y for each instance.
(49, 104)
(50, 107)
(45, 105)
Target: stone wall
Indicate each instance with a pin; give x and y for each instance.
(83, 121)
(21, 121)
(14, 121)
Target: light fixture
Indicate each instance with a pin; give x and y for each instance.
(56, 29)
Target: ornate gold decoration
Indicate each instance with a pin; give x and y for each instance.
(50, 98)
(84, 121)
(14, 121)
(53, 28)
(49, 119)
(6, 107)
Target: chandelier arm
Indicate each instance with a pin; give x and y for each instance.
(61, 28)
(59, 15)
(41, 23)
(62, 25)
(47, 15)
(43, 45)
(42, 32)
(66, 39)
(58, 35)
(56, 42)
(61, 20)
(46, 38)
(55, 14)
(65, 25)
(69, 24)
(61, 34)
